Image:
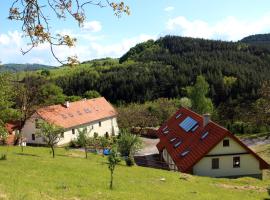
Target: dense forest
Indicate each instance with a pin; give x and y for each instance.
(163, 68)
(166, 68)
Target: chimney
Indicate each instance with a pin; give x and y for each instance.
(206, 119)
(67, 104)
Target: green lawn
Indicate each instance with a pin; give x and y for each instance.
(34, 175)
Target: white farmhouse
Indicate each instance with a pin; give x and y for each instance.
(97, 115)
(194, 144)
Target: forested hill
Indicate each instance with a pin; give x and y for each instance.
(262, 40)
(163, 68)
(12, 67)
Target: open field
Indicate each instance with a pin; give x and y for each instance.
(35, 175)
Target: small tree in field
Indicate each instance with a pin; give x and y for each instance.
(84, 139)
(3, 138)
(113, 161)
(50, 133)
(3, 135)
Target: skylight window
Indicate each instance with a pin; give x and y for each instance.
(164, 128)
(172, 140)
(184, 153)
(177, 116)
(63, 116)
(177, 144)
(188, 123)
(204, 135)
(166, 132)
(87, 110)
(194, 128)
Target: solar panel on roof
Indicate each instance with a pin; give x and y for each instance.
(204, 135)
(194, 128)
(188, 123)
(184, 153)
(177, 144)
(177, 116)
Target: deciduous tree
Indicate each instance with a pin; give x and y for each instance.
(198, 93)
(113, 160)
(36, 23)
(50, 133)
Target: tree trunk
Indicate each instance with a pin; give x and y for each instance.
(111, 184)
(52, 151)
(85, 150)
(21, 143)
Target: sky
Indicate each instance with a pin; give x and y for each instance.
(104, 35)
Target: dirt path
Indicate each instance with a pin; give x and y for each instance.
(149, 147)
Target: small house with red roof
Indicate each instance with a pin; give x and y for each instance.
(97, 115)
(192, 143)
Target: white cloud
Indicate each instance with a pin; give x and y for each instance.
(229, 28)
(11, 38)
(92, 26)
(169, 9)
(91, 49)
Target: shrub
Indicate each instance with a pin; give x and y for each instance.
(129, 161)
(73, 144)
(3, 157)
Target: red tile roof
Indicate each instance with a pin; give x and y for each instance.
(192, 141)
(78, 113)
(12, 126)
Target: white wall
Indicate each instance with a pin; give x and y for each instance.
(167, 158)
(107, 125)
(249, 165)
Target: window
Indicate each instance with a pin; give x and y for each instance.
(99, 123)
(177, 116)
(226, 143)
(37, 123)
(177, 144)
(73, 131)
(184, 153)
(204, 135)
(215, 163)
(236, 162)
(172, 140)
(33, 137)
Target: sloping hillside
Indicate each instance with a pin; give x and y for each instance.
(12, 67)
(34, 174)
(261, 40)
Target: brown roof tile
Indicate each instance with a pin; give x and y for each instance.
(78, 113)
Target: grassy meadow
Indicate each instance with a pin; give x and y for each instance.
(34, 175)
